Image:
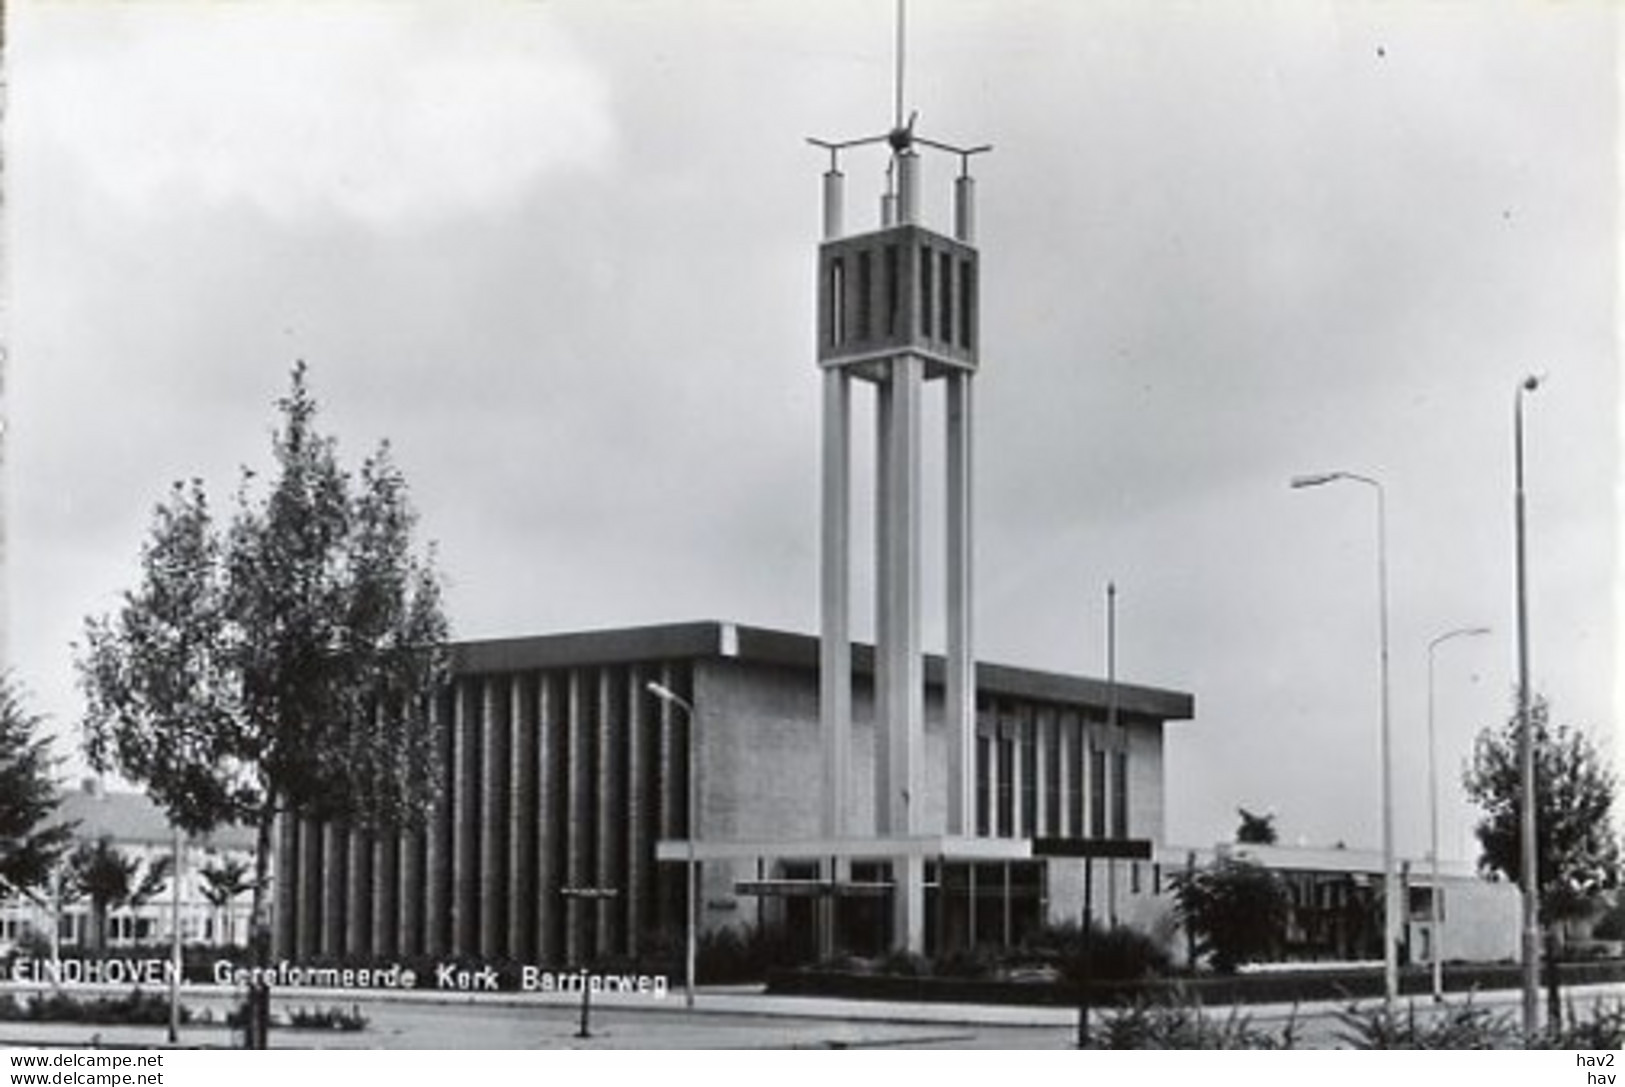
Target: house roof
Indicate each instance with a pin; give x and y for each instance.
(133, 819)
(699, 640)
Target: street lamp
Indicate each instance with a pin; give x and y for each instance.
(1390, 912)
(1528, 862)
(1435, 917)
(690, 939)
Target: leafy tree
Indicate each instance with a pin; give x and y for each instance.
(1255, 829)
(30, 842)
(1237, 910)
(1577, 849)
(283, 666)
(109, 878)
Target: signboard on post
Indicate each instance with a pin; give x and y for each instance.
(590, 894)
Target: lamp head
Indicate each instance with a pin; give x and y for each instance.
(1315, 480)
(1531, 383)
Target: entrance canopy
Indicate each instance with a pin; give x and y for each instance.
(946, 847)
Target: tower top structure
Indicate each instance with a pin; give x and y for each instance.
(899, 287)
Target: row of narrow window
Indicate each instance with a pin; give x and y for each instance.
(947, 297)
(998, 796)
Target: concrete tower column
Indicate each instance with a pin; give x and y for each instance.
(899, 664)
(965, 209)
(835, 643)
(959, 688)
(908, 187)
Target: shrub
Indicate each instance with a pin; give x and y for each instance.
(980, 961)
(740, 953)
(1458, 1026)
(340, 1019)
(1236, 910)
(905, 964)
(1185, 1025)
(1602, 1028)
(1118, 953)
(1123, 953)
(135, 1008)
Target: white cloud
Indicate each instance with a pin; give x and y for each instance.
(379, 112)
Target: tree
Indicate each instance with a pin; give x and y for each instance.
(223, 882)
(1237, 910)
(284, 666)
(109, 878)
(1255, 829)
(1577, 849)
(30, 842)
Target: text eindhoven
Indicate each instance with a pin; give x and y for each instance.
(446, 975)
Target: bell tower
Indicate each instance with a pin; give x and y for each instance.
(898, 313)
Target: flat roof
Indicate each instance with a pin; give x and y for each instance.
(759, 645)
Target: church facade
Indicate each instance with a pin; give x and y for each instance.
(568, 760)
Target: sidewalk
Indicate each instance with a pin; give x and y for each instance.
(722, 1017)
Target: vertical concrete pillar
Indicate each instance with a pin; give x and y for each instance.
(834, 203)
(284, 887)
(835, 644)
(522, 820)
(959, 689)
(308, 941)
(1043, 721)
(578, 812)
(1063, 755)
(669, 788)
(908, 187)
(550, 735)
(465, 855)
(884, 618)
(908, 904)
(905, 690)
(669, 754)
(358, 895)
(439, 835)
(493, 825)
(412, 892)
(965, 209)
(1014, 725)
(995, 756)
(335, 882)
(639, 848)
(1094, 793)
(606, 791)
(901, 692)
(386, 855)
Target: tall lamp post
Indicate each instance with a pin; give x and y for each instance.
(1528, 861)
(690, 937)
(1390, 893)
(1436, 917)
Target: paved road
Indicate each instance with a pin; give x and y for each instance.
(722, 1019)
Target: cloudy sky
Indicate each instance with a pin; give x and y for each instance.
(560, 254)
